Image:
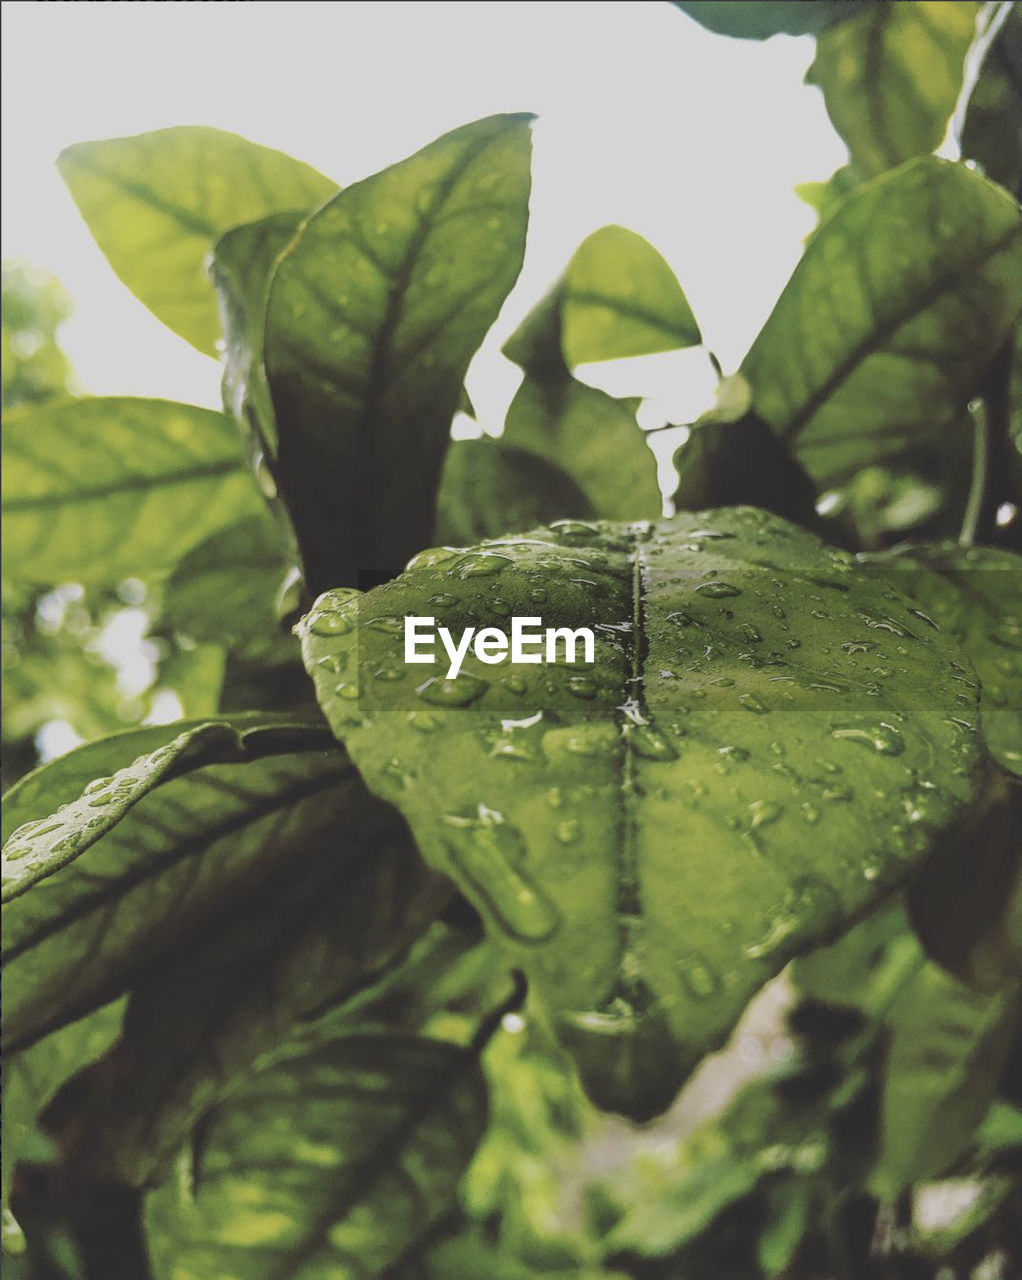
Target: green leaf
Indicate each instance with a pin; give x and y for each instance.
(373, 316)
(273, 954)
(948, 1046)
(741, 463)
(890, 318)
(32, 1078)
(968, 910)
(891, 77)
(338, 1162)
(991, 131)
(594, 439)
(618, 297)
(241, 267)
(975, 595)
(489, 488)
(223, 591)
(108, 884)
(944, 1047)
(157, 201)
(757, 704)
(766, 17)
(101, 489)
(759, 1136)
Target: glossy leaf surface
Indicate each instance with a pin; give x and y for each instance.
(757, 705)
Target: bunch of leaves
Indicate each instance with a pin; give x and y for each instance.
(257, 960)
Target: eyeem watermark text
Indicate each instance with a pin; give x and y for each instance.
(528, 641)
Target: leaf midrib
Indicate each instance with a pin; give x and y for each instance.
(145, 195)
(125, 884)
(130, 484)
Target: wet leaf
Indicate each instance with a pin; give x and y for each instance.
(757, 705)
(975, 595)
(108, 883)
(373, 316)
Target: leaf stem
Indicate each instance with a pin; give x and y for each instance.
(489, 1024)
(990, 455)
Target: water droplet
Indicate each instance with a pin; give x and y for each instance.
(264, 478)
(647, 741)
(750, 633)
(490, 854)
(334, 663)
(567, 831)
(330, 622)
(423, 721)
(433, 556)
(718, 590)
(452, 693)
(582, 687)
(347, 690)
(751, 703)
(883, 737)
(480, 565)
(763, 813)
(575, 533)
(699, 980)
(809, 812)
(857, 646)
(389, 673)
(443, 600)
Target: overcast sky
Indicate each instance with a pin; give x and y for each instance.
(645, 119)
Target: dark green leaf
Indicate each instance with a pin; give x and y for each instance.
(991, 132)
(223, 591)
(111, 882)
(767, 17)
(741, 463)
(966, 906)
(948, 1046)
(489, 488)
(235, 984)
(374, 314)
(756, 701)
(866, 353)
(337, 1163)
(892, 75)
(594, 439)
(101, 489)
(241, 266)
(157, 201)
(945, 1045)
(31, 1078)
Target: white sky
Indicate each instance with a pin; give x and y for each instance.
(645, 119)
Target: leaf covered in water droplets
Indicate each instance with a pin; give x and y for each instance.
(765, 744)
(975, 594)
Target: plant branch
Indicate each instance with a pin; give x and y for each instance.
(990, 459)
